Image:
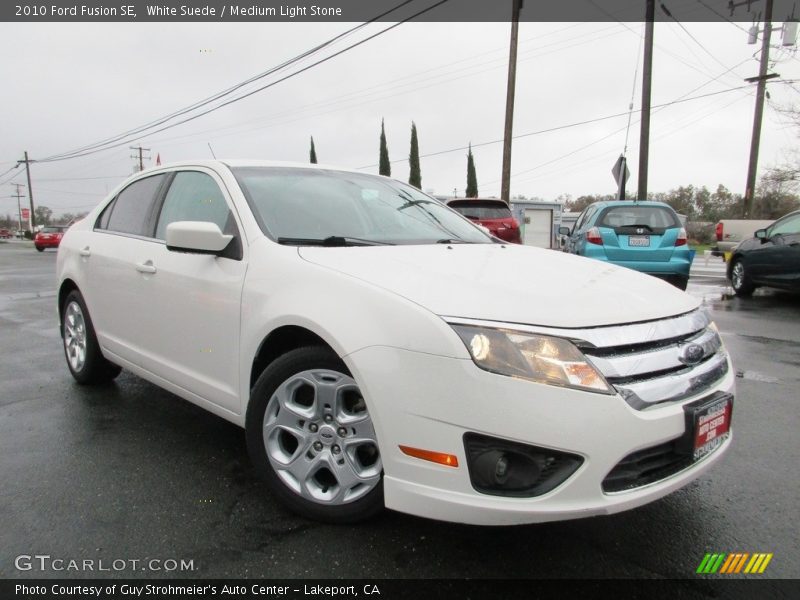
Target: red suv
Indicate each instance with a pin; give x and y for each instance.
(492, 213)
(48, 237)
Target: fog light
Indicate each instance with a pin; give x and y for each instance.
(503, 468)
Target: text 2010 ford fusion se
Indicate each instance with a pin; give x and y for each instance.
(380, 350)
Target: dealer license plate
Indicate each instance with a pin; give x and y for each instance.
(712, 424)
(638, 240)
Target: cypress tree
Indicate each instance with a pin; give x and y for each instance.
(384, 167)
(313, 153)
(472, 178)
(414, 175)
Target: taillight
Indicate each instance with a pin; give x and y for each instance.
(593, 236)
(681, 241)
(718, 231)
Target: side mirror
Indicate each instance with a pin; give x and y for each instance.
(761, 234)
(564, 231)
(199, 237)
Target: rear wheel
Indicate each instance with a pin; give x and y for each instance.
(740, 282)
(40, 249)
(311, 438)
(84, 358)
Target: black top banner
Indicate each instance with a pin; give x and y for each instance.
(742, 11)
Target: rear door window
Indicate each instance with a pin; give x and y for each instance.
(132, 210)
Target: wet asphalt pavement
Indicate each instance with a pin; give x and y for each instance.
(129, 471)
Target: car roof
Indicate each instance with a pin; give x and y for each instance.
(237, 162)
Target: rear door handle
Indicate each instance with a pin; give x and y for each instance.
(86, 251)
(146, 267)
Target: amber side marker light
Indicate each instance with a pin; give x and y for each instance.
(448, 460)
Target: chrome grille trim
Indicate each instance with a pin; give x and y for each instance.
(647, 363)
(664, 358)
(672, 388)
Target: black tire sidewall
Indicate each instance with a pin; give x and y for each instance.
(746, 288)
(284, 367)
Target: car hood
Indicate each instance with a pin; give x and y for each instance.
(508, 283)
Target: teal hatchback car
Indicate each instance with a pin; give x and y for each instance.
(644, 236)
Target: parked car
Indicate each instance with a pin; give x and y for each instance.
(380, 350)
(643, 236)
(771, 258)
(48, 237)
(5, 234)
(492, 213)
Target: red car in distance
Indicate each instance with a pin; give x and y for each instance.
(492, 213)
(48, 237)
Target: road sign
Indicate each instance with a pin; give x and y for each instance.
(26, 213)
(618, 167)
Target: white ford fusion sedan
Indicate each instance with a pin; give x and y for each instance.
(380, 350)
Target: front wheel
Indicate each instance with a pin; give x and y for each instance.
(84, 357)
(740, 282)
(312, 440)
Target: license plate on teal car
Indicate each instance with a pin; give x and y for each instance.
(638, 240)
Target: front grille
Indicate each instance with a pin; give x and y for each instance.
(671, 360)
(646, 466)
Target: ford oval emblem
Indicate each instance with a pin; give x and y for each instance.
(692, 354)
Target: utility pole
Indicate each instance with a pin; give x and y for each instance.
(752, 167)
(647, 77)
(28, 162)
(19, 205)
(140, 155)
(505, 191)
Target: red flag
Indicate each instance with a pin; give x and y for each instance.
(158, 159)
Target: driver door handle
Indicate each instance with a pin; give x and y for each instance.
(146, 267)
(85, 251)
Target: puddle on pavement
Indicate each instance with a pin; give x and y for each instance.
(756, 376)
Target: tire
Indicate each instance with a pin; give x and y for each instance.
(312, 440)
(740, 281)
(84, 358)
(681, 283)
(40, 249)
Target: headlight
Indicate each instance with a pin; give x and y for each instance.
(540, 358)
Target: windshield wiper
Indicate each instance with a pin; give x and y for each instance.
(332, 240)
(453, 241)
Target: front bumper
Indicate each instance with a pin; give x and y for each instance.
(430, 402)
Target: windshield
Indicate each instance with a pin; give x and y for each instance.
(481, 210)
(303, 205)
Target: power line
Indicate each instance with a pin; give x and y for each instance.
(694, 39)
(566, 126)
(108, 146)
(385, 92)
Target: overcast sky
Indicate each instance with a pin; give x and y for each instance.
(67, 85)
